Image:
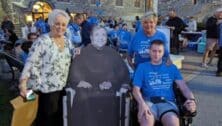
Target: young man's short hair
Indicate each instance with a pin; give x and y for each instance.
(157, 42)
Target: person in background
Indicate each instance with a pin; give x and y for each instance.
(212, 37)
(93, 20)
(153, 90)
(192, 24)
(11, 35)
(32, 37)
(47, 26)
(24, 45)
(137, 23)
(25, 50)
(120, 22)
(74, 30)
(40, 24)
(111, 21)
(124, 37)
(113, 35)
(192, 27)
(7, 24)
(139, 46)
(46, 69)
(177, 25)
(85, 32)
(29, 28)
(219, 63)
(102, 22)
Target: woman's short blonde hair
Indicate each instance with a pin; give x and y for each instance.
(54, 14)
(150, 15)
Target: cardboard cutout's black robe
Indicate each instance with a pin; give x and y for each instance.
(93, 106)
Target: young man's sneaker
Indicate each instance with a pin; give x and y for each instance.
(204, 65)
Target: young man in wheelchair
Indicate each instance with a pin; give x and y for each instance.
(153, 90)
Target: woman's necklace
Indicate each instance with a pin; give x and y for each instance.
(59, 42)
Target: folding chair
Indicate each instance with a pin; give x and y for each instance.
(13, 63)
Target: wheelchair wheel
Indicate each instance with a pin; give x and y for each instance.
(133, 114)
(186, 121)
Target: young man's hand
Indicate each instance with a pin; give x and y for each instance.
(190, 105)
(144, 110)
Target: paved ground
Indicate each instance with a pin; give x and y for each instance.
(206, 87)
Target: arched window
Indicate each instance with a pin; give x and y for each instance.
(41, 9)
(119, 2)
(137, 3)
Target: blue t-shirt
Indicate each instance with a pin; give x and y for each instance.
(93, 20)
(113, 34)
(140, 44)
(74, 35)
(75, 27)
(124, 38)
(156, 80)
(23, 56)
(138, 25)
(40, 24)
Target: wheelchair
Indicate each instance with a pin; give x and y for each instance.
(185, 117)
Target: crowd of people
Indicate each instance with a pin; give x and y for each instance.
(49, 46)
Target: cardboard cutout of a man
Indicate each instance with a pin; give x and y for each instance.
(96, 74)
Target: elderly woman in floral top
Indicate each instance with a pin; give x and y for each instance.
(46, 69)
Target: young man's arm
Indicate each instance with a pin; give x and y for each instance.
(142, 106)
(190, 102)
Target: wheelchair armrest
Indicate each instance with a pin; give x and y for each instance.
(186, 113)
(180, 100)
(125, 88)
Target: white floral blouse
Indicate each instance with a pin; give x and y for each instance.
(47, 67)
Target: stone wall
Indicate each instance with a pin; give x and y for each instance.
(184, 8)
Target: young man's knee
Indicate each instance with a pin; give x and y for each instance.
(170, 119)
(147, 121)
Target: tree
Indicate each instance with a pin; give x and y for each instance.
(5, 6)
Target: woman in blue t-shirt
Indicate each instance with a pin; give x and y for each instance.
(139, 46)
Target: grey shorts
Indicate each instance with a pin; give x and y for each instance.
(212, 44)
(159, 109)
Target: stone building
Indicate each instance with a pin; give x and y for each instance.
(25, 10)
(22, 11)
(200, 9)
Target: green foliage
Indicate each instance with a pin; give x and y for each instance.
(2, 13)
